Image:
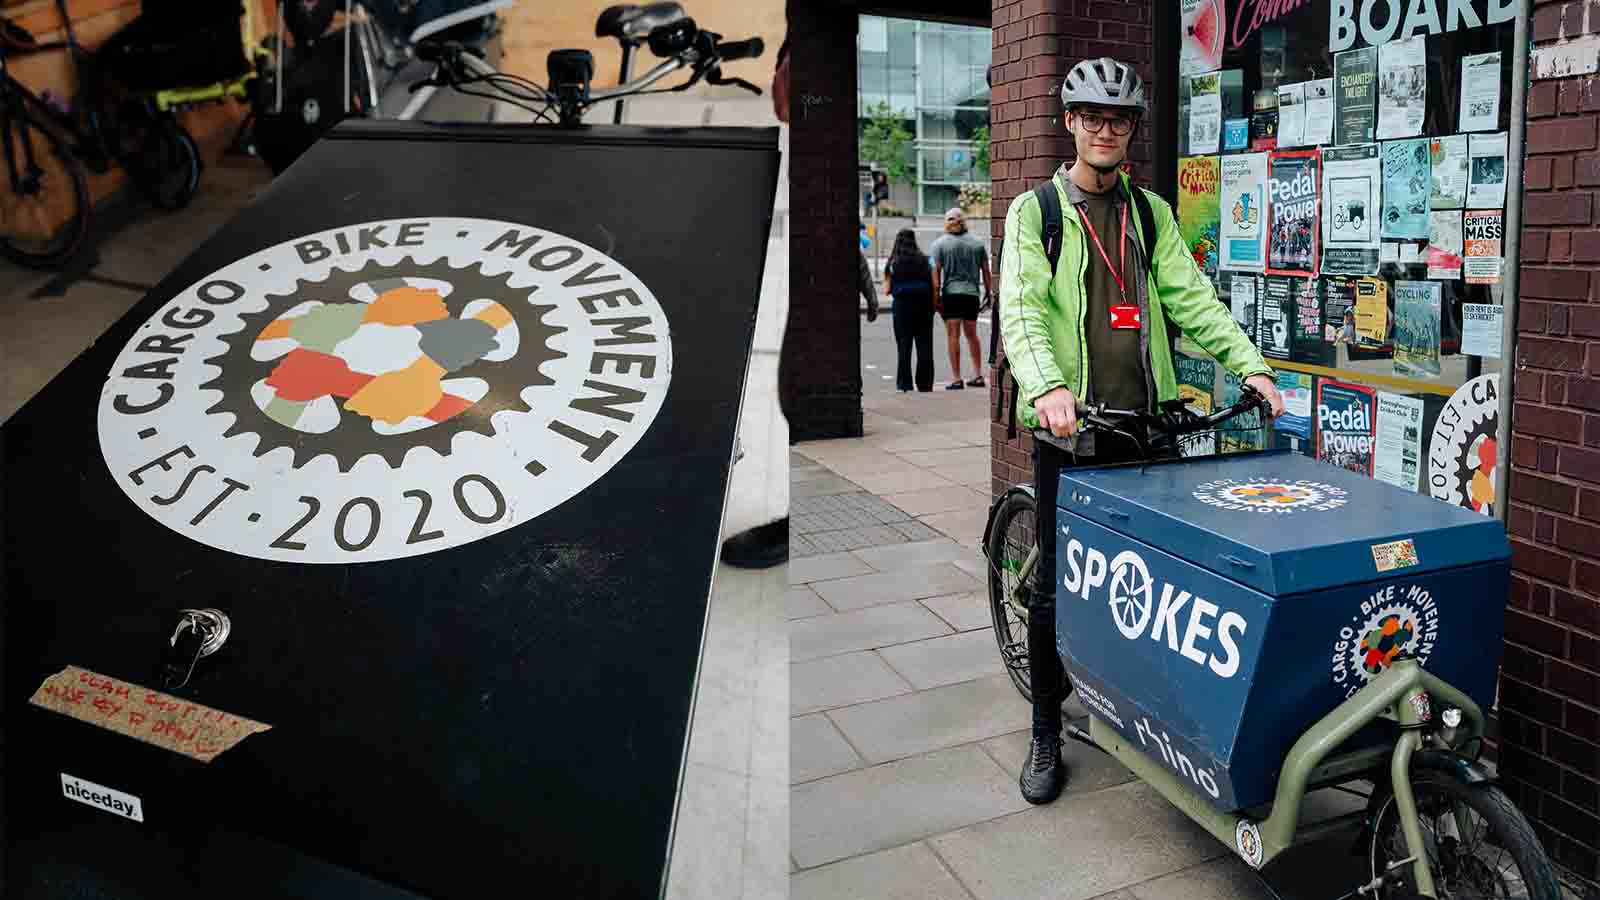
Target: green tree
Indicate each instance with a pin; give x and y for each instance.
(887, 142)
(980, 149)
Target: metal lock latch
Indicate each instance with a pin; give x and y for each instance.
(201, 632)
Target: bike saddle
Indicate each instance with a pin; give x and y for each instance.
(631, 23)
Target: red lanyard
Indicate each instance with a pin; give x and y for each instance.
(1122, 249)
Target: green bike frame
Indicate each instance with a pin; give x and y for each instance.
(1392, 695)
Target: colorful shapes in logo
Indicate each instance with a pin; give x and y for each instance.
(1380, 645)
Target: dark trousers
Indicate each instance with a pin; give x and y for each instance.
(913, 325)
(1045, 672)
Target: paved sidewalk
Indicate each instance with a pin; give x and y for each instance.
(906, 735)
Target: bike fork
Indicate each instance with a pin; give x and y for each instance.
(1405, 801)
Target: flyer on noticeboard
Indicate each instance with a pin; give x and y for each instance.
(1416, 328)
(1242, 197)
(1197, 210)
(1407, 182)
(1293, 189)
(1398, 451)
(1346, 433)
(1350, 214)
(1482, 230)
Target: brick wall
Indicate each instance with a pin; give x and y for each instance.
(1035, 43)
(821, 374)
(1550, 679)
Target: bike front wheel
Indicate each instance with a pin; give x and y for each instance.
(166, 162)
(1011, 581)
(44, 194)
(1478, 844)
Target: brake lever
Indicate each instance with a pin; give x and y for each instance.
(715, 76)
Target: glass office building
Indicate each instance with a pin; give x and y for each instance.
(932, 75)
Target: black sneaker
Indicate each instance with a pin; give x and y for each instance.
(1044, 774)
(759, 548)
(955, 385)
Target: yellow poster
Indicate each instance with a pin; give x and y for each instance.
(1372, 310)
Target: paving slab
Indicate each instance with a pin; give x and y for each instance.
(711, 818)
(899, 478)
(817, 749)
(971, 473)
(961, 456)
(911, 872)
(965, 526)
(823, 486)
(964, 612)
(889, 805)
(946, 660)
(802, 603)
(912, 554)
(911, 583)
(929, 720)
(862, 629)
(843, 680)
(824, 567)
(1100, 842)
(911, 442)
(766, 841)
(937, 500)
(865, 465)
(1227, 878)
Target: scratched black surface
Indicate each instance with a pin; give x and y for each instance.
(513, 710)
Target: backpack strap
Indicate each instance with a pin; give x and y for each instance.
(1147, 224)
(1050, 218)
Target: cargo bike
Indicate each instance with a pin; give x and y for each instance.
(1246, 628)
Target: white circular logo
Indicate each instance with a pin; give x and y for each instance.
(1130, 594)
(1270, 496)
(1391, 621)
(1247, 838)
(385, 390)
(1463, 447)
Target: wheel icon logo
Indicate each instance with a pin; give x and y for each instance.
(1130, 594)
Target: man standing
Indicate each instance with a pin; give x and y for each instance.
(958, 260)
(1094, 331)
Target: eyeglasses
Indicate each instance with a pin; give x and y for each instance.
(1093, 122)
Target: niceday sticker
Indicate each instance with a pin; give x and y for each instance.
(385, 389)
(101, 797)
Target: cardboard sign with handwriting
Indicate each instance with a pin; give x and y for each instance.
(196, 731)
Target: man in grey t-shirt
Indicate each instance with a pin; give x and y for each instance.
(959, 260)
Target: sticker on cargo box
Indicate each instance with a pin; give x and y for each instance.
(101, 797)
(1392, 619)
(384, 390)
(1270, 496)
(196, 731)
(1247, 837)
(1394, 555)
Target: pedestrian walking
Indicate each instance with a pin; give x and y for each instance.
(908, 277)
(960, 259)
(865, 286)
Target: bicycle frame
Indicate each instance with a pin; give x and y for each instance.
(1307, 766)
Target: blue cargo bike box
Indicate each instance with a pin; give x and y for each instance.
(1212, 609)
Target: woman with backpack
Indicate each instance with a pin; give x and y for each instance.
(908, 276)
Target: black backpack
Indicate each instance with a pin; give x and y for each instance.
(1050, 218)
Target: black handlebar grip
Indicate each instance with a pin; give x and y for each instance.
(728, 51)
(429, 51)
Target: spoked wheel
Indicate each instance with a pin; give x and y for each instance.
(1479, 845)
(44, 209)
(163, 160)
(1010, 542)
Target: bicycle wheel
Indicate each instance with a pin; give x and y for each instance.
(1478, 843)
(44, 194)
(166, 163)
(1010, 541)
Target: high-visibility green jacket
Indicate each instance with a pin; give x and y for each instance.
(1042, 320)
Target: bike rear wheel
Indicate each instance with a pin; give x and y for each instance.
(1011, 539)
(1479, 845)
(44, 194)
(162, 159)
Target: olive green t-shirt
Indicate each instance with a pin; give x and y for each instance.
(1116, 374)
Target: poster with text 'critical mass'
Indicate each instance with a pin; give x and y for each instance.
(1197, 210)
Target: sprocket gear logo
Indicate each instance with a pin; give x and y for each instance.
(1391, 621)
(385, 389)
(1463, 449)
(381, 360)
(1269, 496)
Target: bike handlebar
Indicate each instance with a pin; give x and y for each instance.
(1172, 423)
(729, 51)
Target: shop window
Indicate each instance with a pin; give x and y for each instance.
(1349, 206)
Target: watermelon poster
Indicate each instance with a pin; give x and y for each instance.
(1202, 26)
(1198, 218)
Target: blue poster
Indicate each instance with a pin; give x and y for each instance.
(1235, 134)
(1295, 389)
(1407, 183)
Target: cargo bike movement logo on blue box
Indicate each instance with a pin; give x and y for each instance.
(1267, 496)
(1394, 619)
(385, 389)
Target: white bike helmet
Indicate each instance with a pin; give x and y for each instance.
(1103, 82)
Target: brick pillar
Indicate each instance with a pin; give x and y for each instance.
(1550, 678)
(822, 366)
(1035, 43)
